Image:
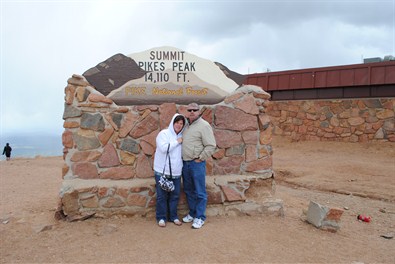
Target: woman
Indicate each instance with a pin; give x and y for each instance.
(168, 201)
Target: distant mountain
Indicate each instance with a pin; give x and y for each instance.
(31, 145)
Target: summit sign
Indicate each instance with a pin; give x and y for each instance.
(159, 75)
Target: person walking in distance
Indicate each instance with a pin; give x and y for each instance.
(7, 151)
(198, 145)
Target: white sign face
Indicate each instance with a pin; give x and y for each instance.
(173, 75)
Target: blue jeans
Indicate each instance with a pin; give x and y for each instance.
(167, 202)
(194, 180)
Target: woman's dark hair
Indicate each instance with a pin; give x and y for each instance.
(178, 118)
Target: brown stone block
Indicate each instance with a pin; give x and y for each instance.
(143, 168)
(334, 214)
(230, 161)
(115, 119)
(264, 121)
(377, 125)
(152, 202)
(102, 192)
(139, 189)
(65, 169)
(146, 126)
(240, 120)
(90, 201)
(145, 113)
(231, 195)
(233, 97)
(70, 203)
(152, 191)
(293, 107)
(214, 196)
(122, 109)
(113, 202)
(262, 95)
(105, 135)
(329, 135)
(251, 153)
(247, 104)
(207, 114)
(136, 200)
(209, 166)
(67, 139)
(128, 123)
(85, 156)
(127, 158)
(71, 124)
(85, 170)
(151, 138)
(166, 111)
(338, 130)
(88, 190)
(250, 137)
(363, 138)
(69, 94)
(390, 104)
(384, 114)
(219, 154)
(302, 129)
(265, 137)
(86, 139)
(122, 192)
(228, 165)
(118, 173)
(77, 81)
(311, 116)
(227, 138)
(81, 94)
(99, 98)
(263, 151)
(109, 157)
(259, 165)
(147, 148)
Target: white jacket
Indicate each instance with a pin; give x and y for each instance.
(165, 137)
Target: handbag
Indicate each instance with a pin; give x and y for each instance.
(165, 183)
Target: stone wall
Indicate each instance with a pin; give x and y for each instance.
(353, 120)
(109, 152)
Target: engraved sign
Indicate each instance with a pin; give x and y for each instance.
(163, 74)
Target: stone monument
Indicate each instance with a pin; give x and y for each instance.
(114, 111)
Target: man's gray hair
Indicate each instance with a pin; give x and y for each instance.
(193, 105)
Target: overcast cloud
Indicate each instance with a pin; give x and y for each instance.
(44, 42)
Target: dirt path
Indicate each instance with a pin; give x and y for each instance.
(360, 177)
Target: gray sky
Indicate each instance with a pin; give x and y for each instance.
(44, 42)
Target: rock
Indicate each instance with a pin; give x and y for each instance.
(323, 217)
(388, 235)
(42, 228)
(79, 217)
(109, 157)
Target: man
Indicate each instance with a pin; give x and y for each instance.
(198, 145)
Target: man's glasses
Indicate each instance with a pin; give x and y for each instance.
(193, 110)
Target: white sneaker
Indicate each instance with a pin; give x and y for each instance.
(162, 223)
(197, 223)
(187, 219)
